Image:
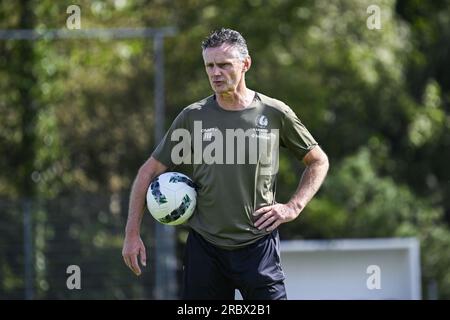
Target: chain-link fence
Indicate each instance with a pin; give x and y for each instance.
(39, 240)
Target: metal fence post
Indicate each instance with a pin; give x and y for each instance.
(28, 249)
(166, 277)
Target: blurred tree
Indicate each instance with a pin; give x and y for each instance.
(427, 77)
(19, 106)
(77, 121)
(19, 109)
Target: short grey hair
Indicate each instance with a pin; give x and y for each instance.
(229, 36)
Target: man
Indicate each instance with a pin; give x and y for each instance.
(233, 242)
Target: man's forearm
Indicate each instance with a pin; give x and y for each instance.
(137, 203)
(150, 170)
(312, 179)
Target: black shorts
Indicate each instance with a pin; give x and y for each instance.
(210, 272)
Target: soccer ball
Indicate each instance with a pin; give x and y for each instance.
(171, 198)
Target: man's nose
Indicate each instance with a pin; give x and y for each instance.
(216, 71)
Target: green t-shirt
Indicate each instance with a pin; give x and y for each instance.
(232, 156)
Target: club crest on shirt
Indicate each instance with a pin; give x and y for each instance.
(262, 121)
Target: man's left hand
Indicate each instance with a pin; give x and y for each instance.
(270, 217)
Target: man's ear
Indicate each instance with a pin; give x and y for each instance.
(247, 64)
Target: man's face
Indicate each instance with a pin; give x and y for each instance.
(224, 67)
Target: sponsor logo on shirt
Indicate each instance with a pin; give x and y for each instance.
(208, 133)
(233, 146)
(207, 136)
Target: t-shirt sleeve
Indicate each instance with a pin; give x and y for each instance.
(295, 136)
(176, 143)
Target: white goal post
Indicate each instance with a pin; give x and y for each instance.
(367, 269)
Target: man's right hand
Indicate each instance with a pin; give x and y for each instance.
(132, 248)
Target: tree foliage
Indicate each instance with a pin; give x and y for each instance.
(77, 119)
